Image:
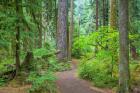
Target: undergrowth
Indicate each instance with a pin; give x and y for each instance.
(99, 55)
(102, 73)
(99, 71)
(42, 71)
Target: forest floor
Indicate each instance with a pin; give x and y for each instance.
(11, 89)
(68, 82)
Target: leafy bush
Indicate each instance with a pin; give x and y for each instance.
(103, 72)
(104, 39)
(41, 52)
(41, 76)
(134, 71)
(99, 70)
(6, 65)
(42, 83)
(2, 81)
(81, 46)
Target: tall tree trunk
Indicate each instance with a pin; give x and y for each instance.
(17, 55)
(79, 25)
(40, 29)
(56, 18)
(97, 3)
(97, 23)
(70, 31)
(113, 14)
(40, 37)
(104, 13)
(124, 74)
(62, 30)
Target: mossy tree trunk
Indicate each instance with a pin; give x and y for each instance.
(17, 55)
(97, 3)
(124, 74)
(62, 30)
(113, 14)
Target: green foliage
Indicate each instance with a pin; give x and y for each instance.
(40, 52)
(42, 70)
(2, 81)
(99, 70)
(134, 72)
(6, 65)
(81, 46)
(41, 75)
(135, 40)
(54, 65)
(42, 83)
(105, 38)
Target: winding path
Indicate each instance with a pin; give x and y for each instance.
(68, 82)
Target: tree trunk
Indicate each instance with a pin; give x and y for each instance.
(124, 74)
(62, 30)
(97, 23)
(113, 14)
(104, 14)
(71, 31)
(40, 38)
(40, 29)
(97, 14)
(17, 55)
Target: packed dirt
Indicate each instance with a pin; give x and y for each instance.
(68, 82)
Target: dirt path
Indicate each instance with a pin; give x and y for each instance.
(68, 82)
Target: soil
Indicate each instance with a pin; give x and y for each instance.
(11, 89)
(68, 82)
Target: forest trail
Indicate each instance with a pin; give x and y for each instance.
(68, 82)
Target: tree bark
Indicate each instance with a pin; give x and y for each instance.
(62, 30)
(104, 14)
(124, 74)
(40, 29)
(17, 55)
(113, 14)
(97, 2)
(70, 31)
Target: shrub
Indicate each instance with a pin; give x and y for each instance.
(104, 39)
(41, 76)
(81, 46)
(42, 83)
(2, 81)
(99, 70)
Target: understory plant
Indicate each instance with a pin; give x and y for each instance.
(42, 69)
(43, 83)
(99, 71)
